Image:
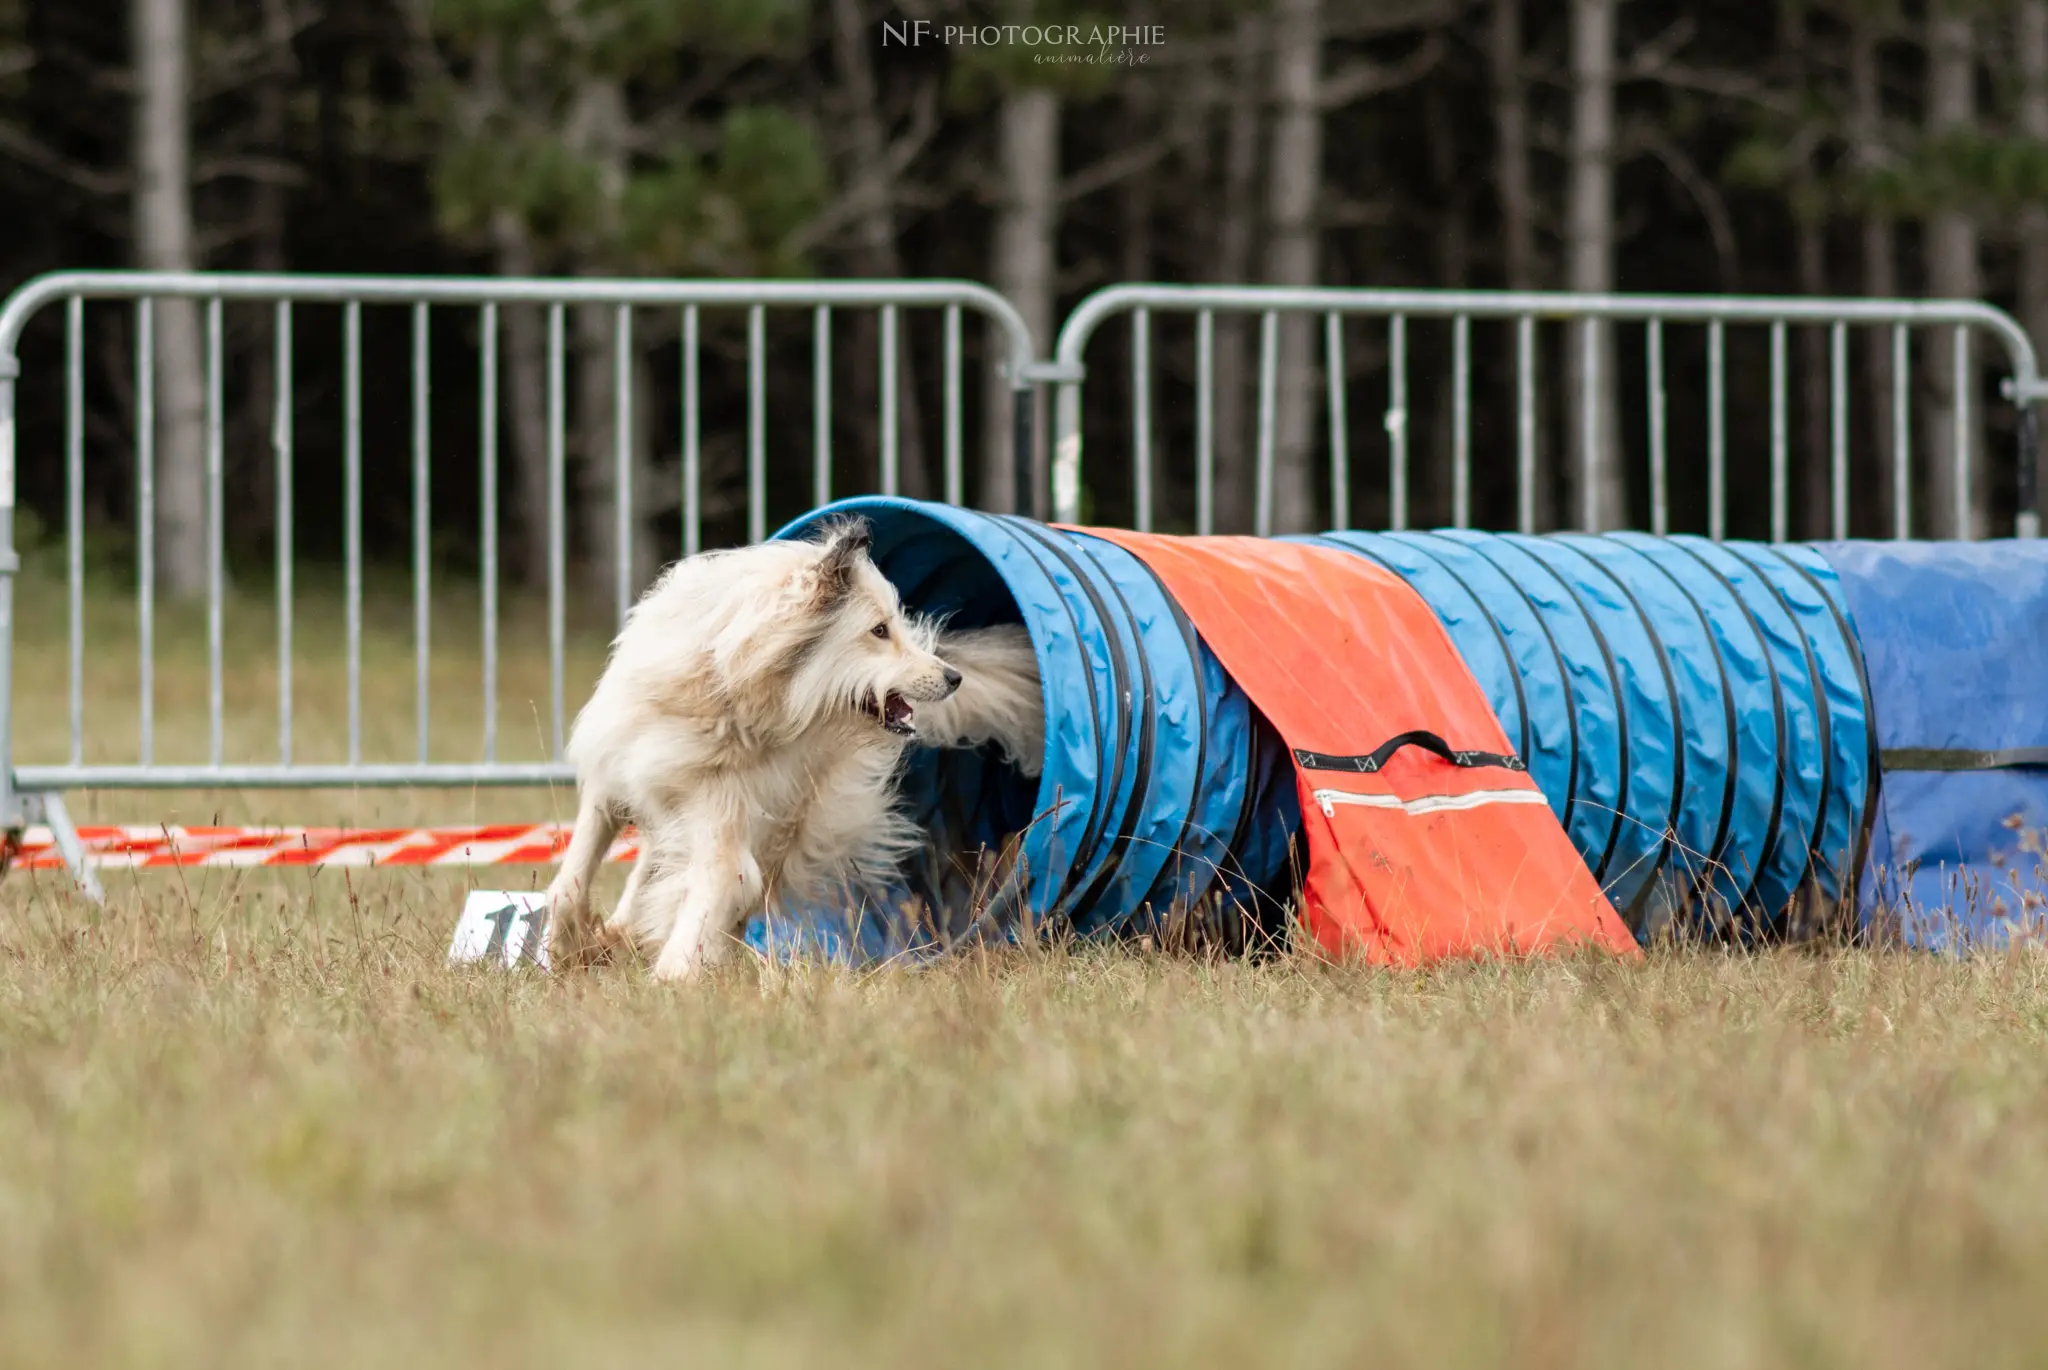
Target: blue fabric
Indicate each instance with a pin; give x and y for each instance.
(1693, 711)
(1160, 786)
(1955, 646)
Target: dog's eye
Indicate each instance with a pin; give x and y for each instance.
(880, 630)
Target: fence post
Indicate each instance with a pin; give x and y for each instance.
(12, 816)
(1023, 464)
(1066, 459)
(2028, 524)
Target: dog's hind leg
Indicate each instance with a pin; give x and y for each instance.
(573, 935)
(618, 928)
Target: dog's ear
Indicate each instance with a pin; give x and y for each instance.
(846, 546)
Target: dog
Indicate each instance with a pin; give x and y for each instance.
(753, 721)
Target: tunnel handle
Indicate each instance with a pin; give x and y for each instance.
(1373, 761)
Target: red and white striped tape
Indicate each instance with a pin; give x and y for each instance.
(509, 844)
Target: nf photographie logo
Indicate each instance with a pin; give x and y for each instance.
(1093, 44)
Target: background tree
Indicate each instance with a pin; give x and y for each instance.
(1805, 146)
(162, 200)
(1953, 272)
(1590, 263)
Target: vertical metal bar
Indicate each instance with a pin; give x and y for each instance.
(1397, 421)
(1902, 434)
(821, 406)
(1838, 430)
(282, 456)
(1965, 525)
(12, 811)
(1717, 432)
(1066, 456)
(2027, 517)
(74, 512)
(487, 426)
(1269, 370)
(352, 514)
(216, 530)
(1024, 443)
(145, 520)
(889, 435)
(622, 458)
(1141, 416)
(1461, 421)
(757, 423)
(558, 533)
(693, 502)
(1205, 423)
(1781, 492)
(1525, 423)
(422, 526)
(1340, 422)
(956, 479)
(1660, 455)
(1589, 425)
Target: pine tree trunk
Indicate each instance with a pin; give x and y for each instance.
(1873, 464)
(1171, 499)
(2033, 59)
(522, 386)
(255, 473)
(1810, 456)
(162, 208)
(1517, 211)
(1433, 482)
(876, 253)
(1237, 229)
(1952, 273)
(1026, 232)
(1292, 253)
(1814, 456)
(1600, 485)
(599, 124)
(1511, 130)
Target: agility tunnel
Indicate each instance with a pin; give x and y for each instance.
(1723, 733)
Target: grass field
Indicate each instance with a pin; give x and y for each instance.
(254, 1118)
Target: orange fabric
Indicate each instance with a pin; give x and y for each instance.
(1423, 859)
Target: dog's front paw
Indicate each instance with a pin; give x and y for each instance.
(576, 941)
(681, 960)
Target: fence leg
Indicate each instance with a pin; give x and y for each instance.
(50, 807)
(2028, 525)
(12, 811)
(1024, 449)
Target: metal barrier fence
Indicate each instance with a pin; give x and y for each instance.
(29, 792)
(33, 791)
(1524, 311)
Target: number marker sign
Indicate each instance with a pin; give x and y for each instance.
(504, 927)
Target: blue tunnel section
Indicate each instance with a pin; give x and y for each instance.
(1161, 784)
(1694, 711)
(1955, 643)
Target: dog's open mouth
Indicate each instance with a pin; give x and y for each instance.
(893, 713)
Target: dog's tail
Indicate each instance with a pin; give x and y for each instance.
(1000, 699)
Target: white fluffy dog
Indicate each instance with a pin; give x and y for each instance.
(752, 721)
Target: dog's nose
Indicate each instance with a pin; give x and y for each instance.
(952, 680)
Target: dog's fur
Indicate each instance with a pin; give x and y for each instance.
(752, 722)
